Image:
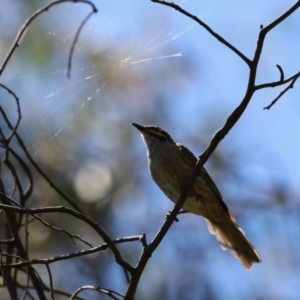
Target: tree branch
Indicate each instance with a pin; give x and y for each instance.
(290, 86)
(216, 139)
(23, 29)
(201, 23)
(78, 215)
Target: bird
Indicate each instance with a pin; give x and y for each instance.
(171, 165)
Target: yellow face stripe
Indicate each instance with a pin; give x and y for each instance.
(157, 132)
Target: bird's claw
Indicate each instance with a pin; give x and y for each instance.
(176, 219)
(169, 214)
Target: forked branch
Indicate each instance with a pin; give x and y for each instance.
(218, 136)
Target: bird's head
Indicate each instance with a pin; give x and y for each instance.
(153, 134)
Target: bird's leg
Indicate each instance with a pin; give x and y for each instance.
(183, 212)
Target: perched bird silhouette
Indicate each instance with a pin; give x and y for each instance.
(171, 166)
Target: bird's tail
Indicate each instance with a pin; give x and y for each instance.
(230, 236)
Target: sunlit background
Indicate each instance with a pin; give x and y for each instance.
(136, 61)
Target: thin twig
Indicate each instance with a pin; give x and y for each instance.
(26, 194)
(25, 292)
(78, 215)
(71, 235)
(278, 83)
(24, 27)
(18, 111)
(56, 291)
(290, 86)
(45, 261)
(108, 292)
(281, 72)
(37, 167)
(50, 281)
(201, 23)
(75, 41)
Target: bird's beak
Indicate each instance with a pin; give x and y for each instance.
(139, 127)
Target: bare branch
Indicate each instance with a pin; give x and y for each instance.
(71, 235)
(66, 210)
(278, 83)
(26, 194)
(21, 143)
(23, 29)
(47, 261)
(281, 72)
(108, 292)
(290, 86)
(23, 255)
(216, 139)
(265, 30)
(51, 281)
(18, 110)
(281, 18)
(75, 41)
(214, 34)
(56, 291)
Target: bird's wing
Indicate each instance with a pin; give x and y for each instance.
(191, 160)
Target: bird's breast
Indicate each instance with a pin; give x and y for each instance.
(168, 172)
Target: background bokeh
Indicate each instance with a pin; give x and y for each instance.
(137, 61)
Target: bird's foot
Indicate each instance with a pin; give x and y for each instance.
(176, 219)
